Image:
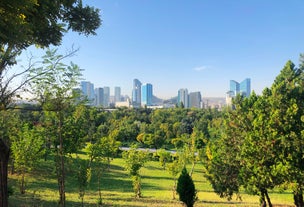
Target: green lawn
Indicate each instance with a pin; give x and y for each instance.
(117, 189)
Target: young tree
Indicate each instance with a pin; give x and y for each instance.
(135, 160)
(27, 149)
(186, 189)
(55, 92)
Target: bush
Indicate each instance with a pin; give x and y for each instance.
(186, 189)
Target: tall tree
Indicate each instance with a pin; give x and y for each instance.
(55, 91)
(286, 120)
(34, 22)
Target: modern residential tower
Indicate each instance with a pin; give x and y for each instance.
(136, 93)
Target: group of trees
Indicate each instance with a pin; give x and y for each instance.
(261, 141)
(26, 23)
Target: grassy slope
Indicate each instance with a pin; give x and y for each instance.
(117, 189)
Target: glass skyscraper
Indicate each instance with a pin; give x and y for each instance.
(136, 93)
(87, 89)
(183, 98)
(117, 94)
(195, 100)
(146, 94)
(243, 88)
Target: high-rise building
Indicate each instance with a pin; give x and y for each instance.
(245, 87)
(87, 89)
(242, 88)
(183, 98)
(195, 100)
(234, 87)
(106, 96)
(99, 97)
(136, 93)
(117, 94)
(146, 94)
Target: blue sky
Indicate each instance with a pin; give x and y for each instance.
(195, 44)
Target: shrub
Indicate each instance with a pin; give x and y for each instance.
(186, 189)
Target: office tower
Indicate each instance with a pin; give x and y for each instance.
(117, 94)
(183, 98)
(245, 88)
(99, 97)
(87, 89)
(195, 100)
(106, 96)
(234, 87)
(242, 88)
(146, 94)
(136, 93)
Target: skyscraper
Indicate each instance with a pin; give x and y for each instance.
(195, 100)
(242, 88)
(117, 94)
(183, 98)
(106, 96)
(99, 97)
(87, 89)
(245, 88)
(146, 94)
(234, 87)
(136, 93)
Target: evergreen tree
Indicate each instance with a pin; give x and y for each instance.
(186, 189)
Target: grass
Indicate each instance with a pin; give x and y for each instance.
(117, 189)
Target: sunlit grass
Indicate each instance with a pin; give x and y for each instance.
(157, 186)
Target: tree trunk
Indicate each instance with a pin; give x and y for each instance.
(268, 199)
(298, 198)
(61, 170)
(4, 157)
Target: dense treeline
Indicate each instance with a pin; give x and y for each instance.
(261, 141)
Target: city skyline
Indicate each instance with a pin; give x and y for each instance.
(199, 45)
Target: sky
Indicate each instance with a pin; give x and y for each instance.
(196, 44)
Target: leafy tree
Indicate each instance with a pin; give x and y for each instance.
(163, 156)
(186, 189)
(286, 122)
(135, 160)
(27, 149)
(54, 90)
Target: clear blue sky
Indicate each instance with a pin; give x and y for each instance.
(195, 44)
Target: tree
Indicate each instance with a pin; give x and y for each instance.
(286, 122)
(55, 92)
(33, 22)
(135, 160)
(27, 149)
(186, 189)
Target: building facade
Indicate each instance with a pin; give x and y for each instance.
(117, 94)
(99, 97)
(183, 98)
(106, 96)
(146, 95)
(87, 90)
(195, 100)
(136, 93)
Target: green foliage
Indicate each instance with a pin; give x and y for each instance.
(163, 156)
(35, 22)
(186, 189)
(27, 149)
(135, 159)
